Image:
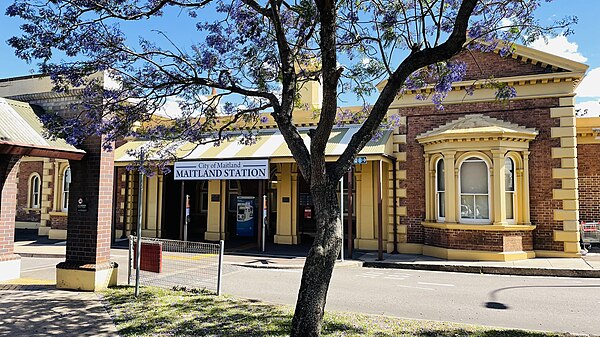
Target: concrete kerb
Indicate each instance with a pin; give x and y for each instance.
(515, 271)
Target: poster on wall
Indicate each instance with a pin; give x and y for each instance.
(222, 170)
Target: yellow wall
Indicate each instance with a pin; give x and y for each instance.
(287, 212)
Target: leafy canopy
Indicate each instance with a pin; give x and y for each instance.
(257, 54)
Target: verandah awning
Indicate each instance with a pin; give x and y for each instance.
(270, 144)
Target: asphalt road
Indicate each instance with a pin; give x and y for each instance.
(537, 303)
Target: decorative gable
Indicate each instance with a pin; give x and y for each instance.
(477, 126)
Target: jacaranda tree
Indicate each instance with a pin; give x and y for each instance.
(257, 54)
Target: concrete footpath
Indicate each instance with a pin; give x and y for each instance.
(32, 307)
(280, 258)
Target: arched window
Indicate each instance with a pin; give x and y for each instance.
(35, 186)
(440, 190)
(66, 184)
(474, 191)
(509, 172)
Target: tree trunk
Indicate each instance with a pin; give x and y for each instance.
(319, 264)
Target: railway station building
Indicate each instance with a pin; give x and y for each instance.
(480, 179)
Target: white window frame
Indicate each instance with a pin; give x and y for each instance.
(512, 220)
(489, 195)
(438, 192)
(31, 196)
(65, 193)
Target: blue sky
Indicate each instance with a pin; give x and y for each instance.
(583, 46)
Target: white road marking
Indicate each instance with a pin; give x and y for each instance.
(437, 284)
(420, 288)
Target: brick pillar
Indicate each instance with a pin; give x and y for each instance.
(87, 265)
(10, 263)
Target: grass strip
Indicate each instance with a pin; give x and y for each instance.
(160, 312)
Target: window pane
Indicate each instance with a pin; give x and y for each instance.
(509, 174)
(441, 186)
(67, 180)
(474, 177)
(509, 205)
(467, 207)
(441, 205)
(482, 207)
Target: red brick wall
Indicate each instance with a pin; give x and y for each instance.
(25, 171)
(58, 221)
(9, 165)
(533, 113)
(491, 65)
(478, 240)
(588, 161)
(89, 233)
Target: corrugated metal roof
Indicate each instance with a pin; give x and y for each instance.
(270, 144)
(19, 125)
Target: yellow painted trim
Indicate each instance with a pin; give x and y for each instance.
(564, 194)
(285, 239)
(571, 226)
(560, 173)
(470, 227)
(475, 255)
(570, 184)
(410, 248)
(557, 132)
(86, 280)
(58, 213)
(561, 214)
(571, 247)
(57, 234)
(564, 152)
(43, 231)
(552, 253)
(566, 236)
(562, 112)
(367, 244)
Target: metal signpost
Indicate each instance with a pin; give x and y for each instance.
(138, 253)
(342, 216)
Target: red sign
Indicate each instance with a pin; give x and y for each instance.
(307, 213)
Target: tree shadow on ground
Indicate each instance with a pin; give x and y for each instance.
(161, 312)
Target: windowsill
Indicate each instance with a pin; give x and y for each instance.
(475, 227)
(32, 209)
(58, 213)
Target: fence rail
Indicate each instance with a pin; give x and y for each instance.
(171, 263)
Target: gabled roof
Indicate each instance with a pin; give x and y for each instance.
(21, 132)
(562, 67)
(476, 126)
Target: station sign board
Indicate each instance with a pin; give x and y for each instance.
(255, 169)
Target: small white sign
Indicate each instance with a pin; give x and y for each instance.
(222, 170)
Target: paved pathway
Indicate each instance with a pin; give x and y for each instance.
(28, 308)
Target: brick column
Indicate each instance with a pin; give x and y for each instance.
(10, 263)
(87, 265)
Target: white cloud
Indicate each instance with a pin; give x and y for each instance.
(592, 107)
(590, 85)
(560, 46)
